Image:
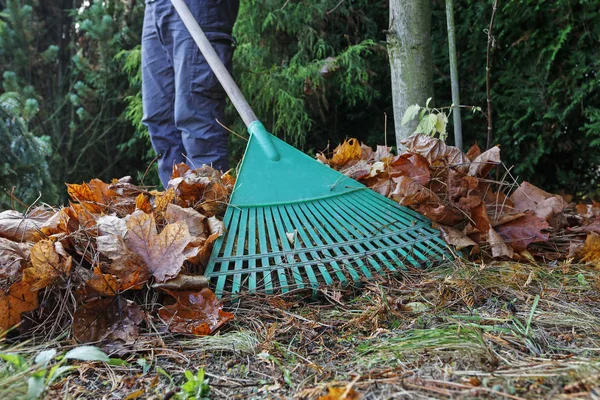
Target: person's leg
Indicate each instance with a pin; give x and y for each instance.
(158, 96)
(200, 99)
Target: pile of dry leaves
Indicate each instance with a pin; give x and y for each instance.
(474, 201)
(119, 257)
(91, 265)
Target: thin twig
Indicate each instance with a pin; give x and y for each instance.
(230, 131)
(491, 43)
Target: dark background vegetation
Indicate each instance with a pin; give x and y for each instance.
(315, 71)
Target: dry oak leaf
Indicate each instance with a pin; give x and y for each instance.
(590, 253)
(341, 393)
(198, 313)
(437, 152)
(19, 299)
(47, 264)
(108, 318)
(350, 150)
(163, 254)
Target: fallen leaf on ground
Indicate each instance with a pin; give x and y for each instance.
(499, 247)
(341, 393)
(523, 231)
(456, 238)
(103, 284)
(19, 299)
(184, 282)
(192, 218)
(415, 166)
(47, 265)
(590, 253)
(409, 192)
(483, 163)
(12, 258)
(198, 313)
(20, 228)
(163, 254)
(108, 318)
(348, 151)
(96, 196)
(437, 152)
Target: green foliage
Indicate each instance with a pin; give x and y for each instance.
(28, 378)
(545, 86)
(24, 161)
(195, 387)
(308, 68)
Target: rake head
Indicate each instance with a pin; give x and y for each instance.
(304, 245)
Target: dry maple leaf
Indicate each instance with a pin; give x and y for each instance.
(456, 238)
(12, 258)
(483, 164)
(499, 248)
(198, 313)
(348, 151)
(103, 284)
(19, 299)
(437, 152)
(341, 393)
(528, 197)
(163, 254)
(108, 318)
(96, 196)
(142, 202)
(20, 228)
(590, 253)
(192, 218)
(409, 192)
(415, 166)
(47, 265)
(523, 231)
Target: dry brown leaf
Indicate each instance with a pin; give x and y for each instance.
(382, 153)
(192, 218)
(142, 202)
(108, 318)
(438, 153)
(523, 231)
(19, 299)
(215, 199)
(341, 393)
(20, 228)
(348, 151)
(47, 265)
(13, 257)
(96, 196)
(103, 284)
(473, 152)
(161, 201)
(198, 313)
(413, 165)
(529, 197)
(184, 282)
(409, 192)
(590, 253)
(163, 254)
(129, 268)
(483, 164)
(456, 238)
(499, 248)
(112, 225)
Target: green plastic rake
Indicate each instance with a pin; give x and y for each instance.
(294, 223)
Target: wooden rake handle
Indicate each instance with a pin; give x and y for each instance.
(255, 127)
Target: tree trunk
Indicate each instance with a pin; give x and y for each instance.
(409, 49)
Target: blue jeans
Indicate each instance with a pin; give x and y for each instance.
(182, 98)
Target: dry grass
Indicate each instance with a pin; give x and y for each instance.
(504, 330)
